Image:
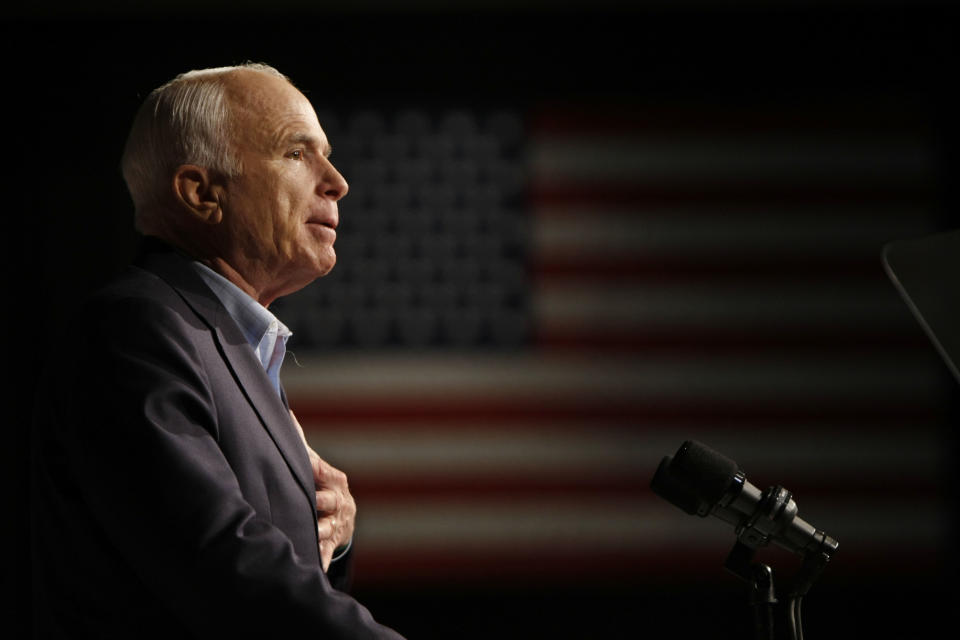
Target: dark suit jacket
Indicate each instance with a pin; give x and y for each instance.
(171, 493)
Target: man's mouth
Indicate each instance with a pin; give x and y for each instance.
(330, 224)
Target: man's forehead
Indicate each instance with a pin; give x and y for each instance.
(274, 106)
(262, 94)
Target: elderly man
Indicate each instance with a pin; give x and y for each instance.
(173, 492)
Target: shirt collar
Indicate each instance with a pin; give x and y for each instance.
(260, 327)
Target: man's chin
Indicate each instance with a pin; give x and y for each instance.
(317, 263)
(296, 280)
(326, 265)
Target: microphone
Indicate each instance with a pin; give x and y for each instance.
(703, 482)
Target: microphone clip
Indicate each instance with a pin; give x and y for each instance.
(775, 511)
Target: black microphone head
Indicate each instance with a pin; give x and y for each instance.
(668, 486)
(695, 479)
(710, 473)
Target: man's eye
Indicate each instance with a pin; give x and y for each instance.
(297, 154)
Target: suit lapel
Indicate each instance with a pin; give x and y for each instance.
(263, 397)
(239, 357)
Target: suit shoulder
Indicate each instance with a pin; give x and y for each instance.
(140, 293)
(138, 308)
(136, 286)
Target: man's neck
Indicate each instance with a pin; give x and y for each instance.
(248, 277)
(227, 270)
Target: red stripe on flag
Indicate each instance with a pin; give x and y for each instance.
(539, 566)
(705, 266)
(822, 487)
(721, 342)
(550, 413)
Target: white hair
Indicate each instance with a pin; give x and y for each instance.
(185, 121)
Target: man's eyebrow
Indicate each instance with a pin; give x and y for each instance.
(310, 140)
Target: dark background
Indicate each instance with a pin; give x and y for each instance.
(76, 76)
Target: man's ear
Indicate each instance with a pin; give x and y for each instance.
(195, 191)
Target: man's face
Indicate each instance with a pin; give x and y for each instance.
(280, 214)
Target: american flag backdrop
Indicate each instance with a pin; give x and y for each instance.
(636, 276)
(577, 234)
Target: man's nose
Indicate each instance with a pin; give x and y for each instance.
(333, 185)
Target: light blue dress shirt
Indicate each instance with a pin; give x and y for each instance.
(266, 335)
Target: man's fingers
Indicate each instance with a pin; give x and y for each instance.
(327, 529)
(330, 532)
(326, 553)
(333, 498)
(326, 475)
(329, 502)
(334, 530)
(336, 508)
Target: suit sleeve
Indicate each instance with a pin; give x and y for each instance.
(143, 447)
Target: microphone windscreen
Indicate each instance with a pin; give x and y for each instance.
(707, 473)
(668, 486)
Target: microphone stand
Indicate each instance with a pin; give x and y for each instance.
(814, 563)
(762, 597)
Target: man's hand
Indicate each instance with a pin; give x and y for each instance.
(336, 510)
